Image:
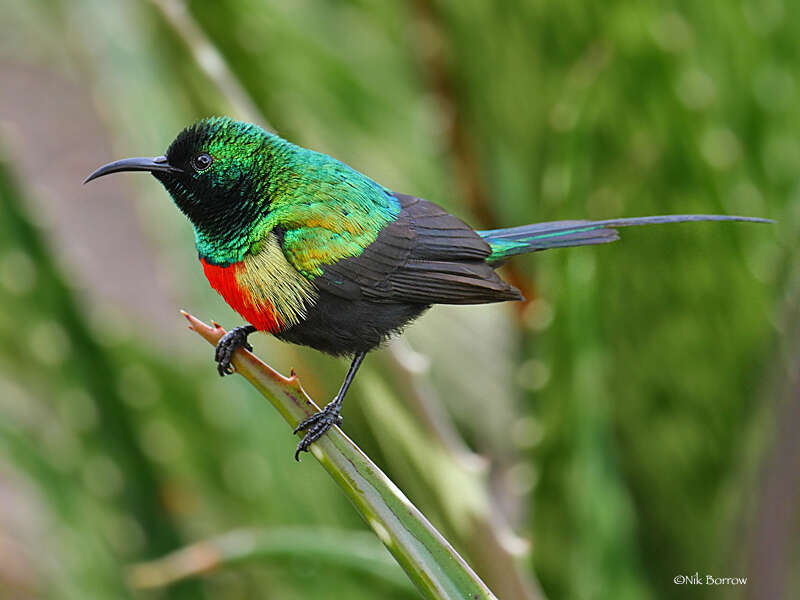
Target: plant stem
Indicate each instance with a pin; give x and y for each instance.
(429, 560)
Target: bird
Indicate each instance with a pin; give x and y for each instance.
(310, 250)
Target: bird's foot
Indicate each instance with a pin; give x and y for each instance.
(230, 343)
(316, 425)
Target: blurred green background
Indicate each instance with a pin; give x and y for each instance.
(638, 418)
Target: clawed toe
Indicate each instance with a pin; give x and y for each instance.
(228, 345)
(316, 426)
(312, 436)
(306, 423)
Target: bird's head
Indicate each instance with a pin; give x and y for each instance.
(218, 172)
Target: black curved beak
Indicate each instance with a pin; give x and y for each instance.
(141, 163)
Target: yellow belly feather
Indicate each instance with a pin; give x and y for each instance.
(274, 283)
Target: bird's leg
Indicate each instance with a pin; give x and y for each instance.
(318, 423)
(228, 344)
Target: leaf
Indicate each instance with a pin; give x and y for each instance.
(357, 551)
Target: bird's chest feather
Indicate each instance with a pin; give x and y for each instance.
(264, 288)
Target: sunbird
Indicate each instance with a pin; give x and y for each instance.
(308, 249)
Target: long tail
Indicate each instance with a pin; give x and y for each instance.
(562, 234)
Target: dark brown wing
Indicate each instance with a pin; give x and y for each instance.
(426, 256)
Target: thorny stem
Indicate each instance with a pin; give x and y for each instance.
(429, 560)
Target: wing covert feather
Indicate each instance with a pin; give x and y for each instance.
(426, 256)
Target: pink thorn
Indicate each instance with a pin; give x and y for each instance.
(190, 319)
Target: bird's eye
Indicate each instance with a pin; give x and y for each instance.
(200, 162)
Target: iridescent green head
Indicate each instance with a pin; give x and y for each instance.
(218, 172)
(223, 166)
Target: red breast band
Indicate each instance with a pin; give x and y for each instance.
(224, 280)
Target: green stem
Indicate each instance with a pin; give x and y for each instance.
(424, 554)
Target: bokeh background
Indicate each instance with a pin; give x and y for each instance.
(637, 419)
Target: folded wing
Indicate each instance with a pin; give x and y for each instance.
(426, 256)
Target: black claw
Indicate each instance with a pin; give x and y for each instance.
(317, 424)
(228, 345)
(306, 423)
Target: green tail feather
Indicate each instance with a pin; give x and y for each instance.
(506, 243)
